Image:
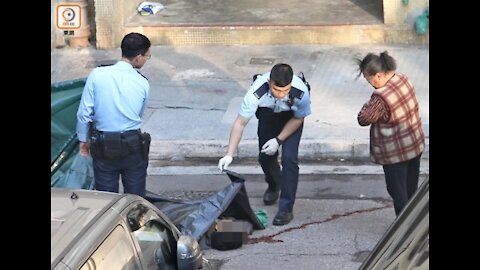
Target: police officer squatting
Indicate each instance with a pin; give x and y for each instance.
(280, 100)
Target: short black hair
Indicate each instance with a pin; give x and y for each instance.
(134, 44)
(281, 74)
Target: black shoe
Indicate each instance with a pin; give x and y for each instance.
(282, 218)
(270, 197)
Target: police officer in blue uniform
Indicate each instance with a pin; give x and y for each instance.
(109, 119)
(280, 100)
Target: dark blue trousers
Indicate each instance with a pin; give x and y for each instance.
(402, 181)
(270, 124)
(132, 169)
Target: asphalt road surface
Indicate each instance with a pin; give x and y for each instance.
(340, 214)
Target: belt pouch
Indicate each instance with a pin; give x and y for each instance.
(133, 142)
(113, 147)
(96, 146)
(146, 139)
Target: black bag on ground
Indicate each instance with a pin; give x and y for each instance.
(226, 240)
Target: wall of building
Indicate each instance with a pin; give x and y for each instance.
(107, 22)
(57, 37)
(110, 19)
(395, 12)
(91, 21)
(399, 18)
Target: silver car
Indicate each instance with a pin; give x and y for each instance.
(103, 230)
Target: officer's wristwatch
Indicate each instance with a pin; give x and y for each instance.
(279, 141)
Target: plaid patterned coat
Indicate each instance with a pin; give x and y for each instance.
(400, 138)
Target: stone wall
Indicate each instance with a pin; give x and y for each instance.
(57, 37)
(395, 12)
(399, 19)
(110, 18)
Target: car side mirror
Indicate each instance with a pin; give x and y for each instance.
(189, 254)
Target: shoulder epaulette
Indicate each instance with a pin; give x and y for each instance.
(142, 75)
(262, 90)
(255, 77)
(296, 93)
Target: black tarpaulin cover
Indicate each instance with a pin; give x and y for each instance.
(195, 217)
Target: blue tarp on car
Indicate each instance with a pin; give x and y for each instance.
(68, 168)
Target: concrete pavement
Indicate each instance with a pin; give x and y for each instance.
(196, 92)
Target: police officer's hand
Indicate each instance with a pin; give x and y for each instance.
(224, 162)
(84, 149)
(270, 147)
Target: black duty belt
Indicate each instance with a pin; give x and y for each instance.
(127, 133)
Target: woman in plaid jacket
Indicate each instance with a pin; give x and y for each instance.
(396, 135)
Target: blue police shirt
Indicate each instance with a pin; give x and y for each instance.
(251, 101)
(114, 97)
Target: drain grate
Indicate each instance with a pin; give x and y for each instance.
(262, 61)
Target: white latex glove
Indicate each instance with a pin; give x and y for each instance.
(224, 162)
(270, 147)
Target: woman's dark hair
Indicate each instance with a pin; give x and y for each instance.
(371, 64)
(281, 74)
(134, 44)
